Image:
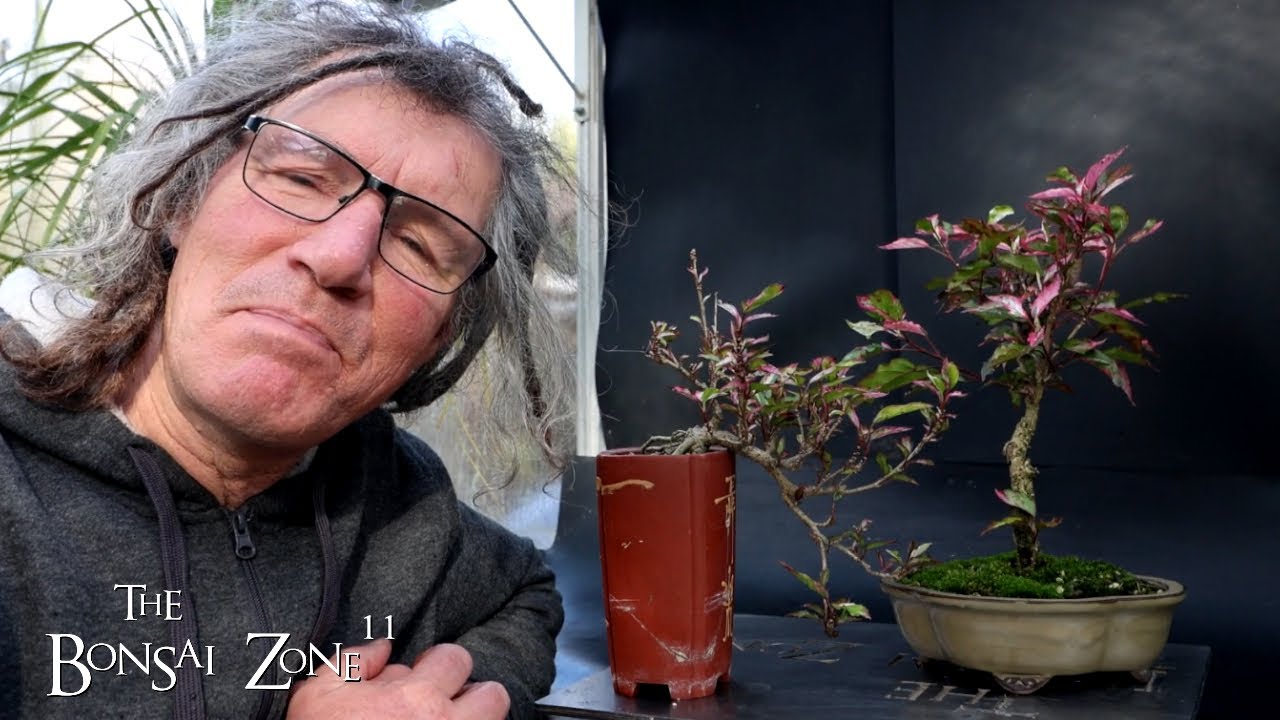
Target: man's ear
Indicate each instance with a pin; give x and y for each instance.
(168, 254)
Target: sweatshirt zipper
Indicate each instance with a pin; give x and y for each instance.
(246, 551)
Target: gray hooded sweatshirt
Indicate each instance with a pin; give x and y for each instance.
(126, 591)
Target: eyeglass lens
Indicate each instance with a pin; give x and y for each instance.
(310, 180)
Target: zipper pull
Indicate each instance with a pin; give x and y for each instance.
(240, 526)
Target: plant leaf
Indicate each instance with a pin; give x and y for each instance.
(1160, 297)
(865, 328)
(889, 412)
(1095, 171)
(998, 213)
(767, 294)
(1002, 522)
(1057, 193)
(1062, 174)
(806, 580)
(1009, 304)
(906, 243)
(893, 374)
(1018, 500)
(1113, 370)
(850, 610)
(882, 304)
(1022, 263)
(1001, 355)
(952, 372)
(1046, 296)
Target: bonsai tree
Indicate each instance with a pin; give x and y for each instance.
(1040, 289)
(785, 418)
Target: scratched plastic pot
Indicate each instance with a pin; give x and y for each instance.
(666, 554)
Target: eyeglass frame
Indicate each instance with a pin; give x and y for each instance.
(389, 193)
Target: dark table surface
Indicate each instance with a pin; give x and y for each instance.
(786, 668)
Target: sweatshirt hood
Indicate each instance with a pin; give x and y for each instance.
(98, 444)
(95, 442)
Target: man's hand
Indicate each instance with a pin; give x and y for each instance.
(434, 688)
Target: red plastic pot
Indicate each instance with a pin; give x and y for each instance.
(666, 552)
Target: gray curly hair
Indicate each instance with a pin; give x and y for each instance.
(262, 52)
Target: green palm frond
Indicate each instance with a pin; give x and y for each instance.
(62, 107)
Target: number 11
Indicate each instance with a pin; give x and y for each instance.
(368, 628)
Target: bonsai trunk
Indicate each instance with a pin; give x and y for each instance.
(1026, 534)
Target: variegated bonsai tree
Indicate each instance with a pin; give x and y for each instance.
(1039, 288)
(888, 403)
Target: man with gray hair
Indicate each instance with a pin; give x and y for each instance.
(207, 509)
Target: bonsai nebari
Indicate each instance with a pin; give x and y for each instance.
(1041, 290)
(785, 418)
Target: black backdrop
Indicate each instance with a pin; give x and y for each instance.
(785, 141)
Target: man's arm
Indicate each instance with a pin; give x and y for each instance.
(503, 595)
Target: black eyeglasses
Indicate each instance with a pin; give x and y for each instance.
(308, 178)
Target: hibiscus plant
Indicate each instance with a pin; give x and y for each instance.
(1040, 288)
(886, 403)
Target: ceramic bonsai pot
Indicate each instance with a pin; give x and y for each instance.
(666, 553)
(1025, 642)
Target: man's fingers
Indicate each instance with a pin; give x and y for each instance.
(394, 672)
(483, 700)
(372, 661)
(373, 658)
(446, 666)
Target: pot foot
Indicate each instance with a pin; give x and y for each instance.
(1021, 684)
(676, 689)
(1142, 676)
(690, 689)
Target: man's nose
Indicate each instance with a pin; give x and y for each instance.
(340, 252)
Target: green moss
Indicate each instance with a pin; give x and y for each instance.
(1057, 577)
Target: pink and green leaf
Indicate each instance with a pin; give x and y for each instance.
(1081, 346)
(1121, 313)
(1018, 500)
(1058, 193)
(1149, 227)
(769, 293)
(1096, 170)
(1012, 304)
(907, 243)
(1113, 370)
(882, 304)
(807, 581)
(757, 316)
(905, 326)
(1007, 520)
(1046, 296)
(730, 309)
